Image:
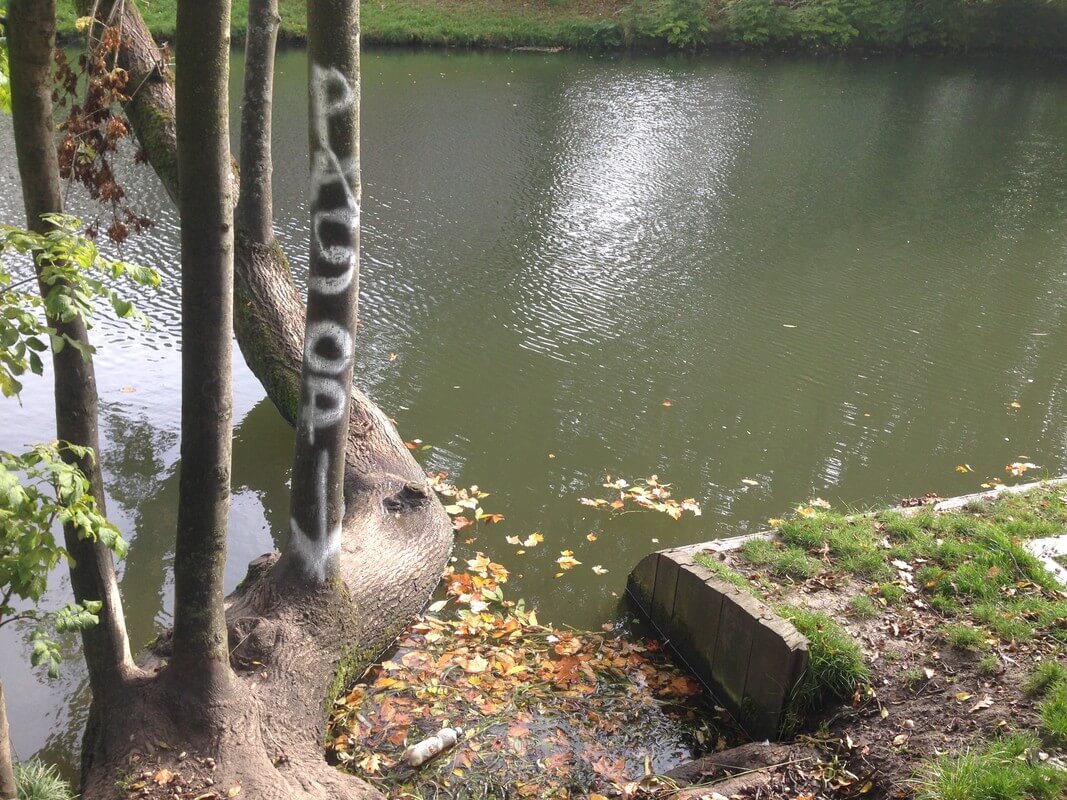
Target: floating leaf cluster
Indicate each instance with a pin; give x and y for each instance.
(647, 493)
(465, 506)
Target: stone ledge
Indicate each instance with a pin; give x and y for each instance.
(748, 657)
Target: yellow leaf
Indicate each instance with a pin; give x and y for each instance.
(567, 560)
(234, 790)
(81, 23)
(1016, 404)
(599, 570)
(591, 536)
(963, 468)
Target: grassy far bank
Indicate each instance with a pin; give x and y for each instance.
(1017, 25)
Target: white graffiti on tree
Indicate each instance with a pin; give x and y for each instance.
(327, 343)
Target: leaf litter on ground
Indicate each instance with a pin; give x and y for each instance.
(545, 711)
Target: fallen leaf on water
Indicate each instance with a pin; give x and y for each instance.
(964, 468)
(666, 404)
(599, 570)
(1019, 467)
(591, 536)
(392, 356)
(127, 389)
(433, 608)
(749, 482)
(533, 540)
(567, 560)
(1015, 404)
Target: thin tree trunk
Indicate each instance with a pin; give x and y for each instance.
(255, 214)
(317, 503)
(31, 37)
(8, 790)
(206, 207)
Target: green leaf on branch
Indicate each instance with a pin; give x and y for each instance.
(76, 275)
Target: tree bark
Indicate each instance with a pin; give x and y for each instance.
(8, 790)
(255, 211)
(317, 503)
(201, 652)
(293, 645)
(31, 37)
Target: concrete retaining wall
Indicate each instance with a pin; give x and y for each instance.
(748, 656)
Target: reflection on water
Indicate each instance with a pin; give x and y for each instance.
(840, 272)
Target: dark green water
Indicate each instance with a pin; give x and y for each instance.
(840, 272)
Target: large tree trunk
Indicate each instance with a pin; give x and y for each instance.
(31, 37)
(201, 651)
(292, 643)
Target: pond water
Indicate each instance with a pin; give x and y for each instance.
(841, 273)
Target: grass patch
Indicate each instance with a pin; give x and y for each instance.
(1044, 676)
(989, 665)
(962, 637)
(862, 607)
(721, 570)
(891, 593)
(1053, 711)
(36, 780)
(835, 663)
(1006, 769)
(787, 561)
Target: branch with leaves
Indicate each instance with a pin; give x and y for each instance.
(74, 276)
(38, 492)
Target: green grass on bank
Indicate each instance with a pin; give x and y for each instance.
(1005, 769)
(971, 566)
(1018, 25)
